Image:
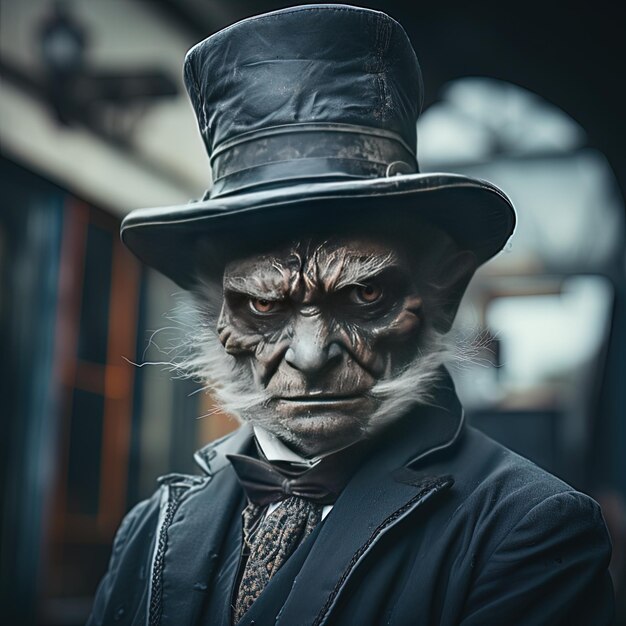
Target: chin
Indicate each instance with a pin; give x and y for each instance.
(316, 428)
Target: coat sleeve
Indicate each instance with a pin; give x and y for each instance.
(550, 569)
(127, 565)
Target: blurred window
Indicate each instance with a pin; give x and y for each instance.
(98, 314)
(547, 337)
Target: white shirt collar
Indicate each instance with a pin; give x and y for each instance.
(275, 450)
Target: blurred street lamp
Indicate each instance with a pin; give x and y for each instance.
(62, 43)
(109, 103)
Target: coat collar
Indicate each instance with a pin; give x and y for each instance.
(212, 458)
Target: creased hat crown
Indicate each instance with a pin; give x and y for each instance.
(314, 91)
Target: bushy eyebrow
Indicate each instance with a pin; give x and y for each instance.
(355, 271)
(261, 287)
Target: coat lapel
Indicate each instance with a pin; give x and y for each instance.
(384, 491)
(198, 531)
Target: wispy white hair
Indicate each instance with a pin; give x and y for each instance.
(201, 356)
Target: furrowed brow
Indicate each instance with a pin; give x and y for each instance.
(263, 288)
(355, 271)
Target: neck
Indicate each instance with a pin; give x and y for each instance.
(275, 449)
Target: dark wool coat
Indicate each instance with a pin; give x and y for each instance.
(439, 526)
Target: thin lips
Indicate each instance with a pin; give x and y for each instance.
(319, 398)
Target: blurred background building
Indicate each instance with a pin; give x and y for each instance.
(94, 122)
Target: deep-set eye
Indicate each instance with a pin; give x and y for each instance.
(259, 305)
(367, 293)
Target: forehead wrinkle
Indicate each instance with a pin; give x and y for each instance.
(329, 268)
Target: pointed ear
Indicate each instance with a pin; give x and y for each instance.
(448, 286)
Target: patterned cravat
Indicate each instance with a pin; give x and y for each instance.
(270, 541)
(302, 492)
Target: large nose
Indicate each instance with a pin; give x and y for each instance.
(311, 349)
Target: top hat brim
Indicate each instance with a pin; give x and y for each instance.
(476, 214)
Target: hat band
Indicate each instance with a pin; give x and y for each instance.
(308, 151)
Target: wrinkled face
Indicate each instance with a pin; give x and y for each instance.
(320, 325)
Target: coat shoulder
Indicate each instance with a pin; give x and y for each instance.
(536, 532)
(489, 464)
(516, 530)
(500, 492)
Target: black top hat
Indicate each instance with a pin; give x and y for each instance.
(311, 111)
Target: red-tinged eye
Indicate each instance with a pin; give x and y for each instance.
(259, 305)
(367, 293)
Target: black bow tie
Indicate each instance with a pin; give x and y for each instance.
(265, 482)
